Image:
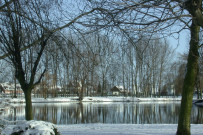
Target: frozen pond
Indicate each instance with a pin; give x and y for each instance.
(111, 113)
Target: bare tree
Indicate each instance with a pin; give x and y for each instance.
(16, 33)
(24, 25)
(158, 17)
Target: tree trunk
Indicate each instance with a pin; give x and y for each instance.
(124, 94)
(189, 83)
(15, 95)
(160, 78)
(28, 106)
(200, 89)
(103, 85)
(197, 88)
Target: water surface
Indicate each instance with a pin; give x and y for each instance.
(111, 113)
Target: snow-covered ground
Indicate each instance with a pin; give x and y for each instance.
(42, 128)
(125, 129)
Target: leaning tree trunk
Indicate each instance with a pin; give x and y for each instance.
(28, 104)
(189, 82)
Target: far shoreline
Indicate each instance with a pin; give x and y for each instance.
(92, 99)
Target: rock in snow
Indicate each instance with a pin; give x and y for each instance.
(31, 128)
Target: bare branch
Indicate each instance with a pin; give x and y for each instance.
(40, 78)
(6, 4)
(33, 72)
(36, 42)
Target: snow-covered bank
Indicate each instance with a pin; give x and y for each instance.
(31, 128)
(103, 129)
(125, 129)
(91, 99)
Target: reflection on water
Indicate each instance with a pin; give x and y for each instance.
(131, 113)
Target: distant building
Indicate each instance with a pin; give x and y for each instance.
(2, 90)
(115, 91)
(119, 91)
(57, 88)
(74, 87)
(9, 88)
